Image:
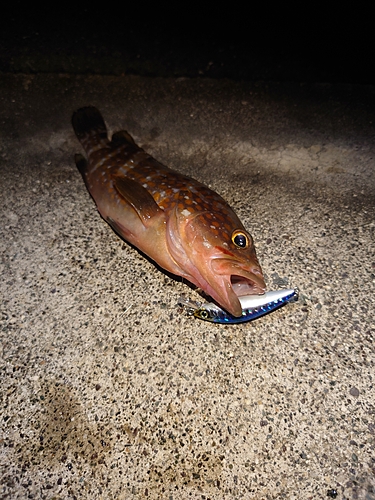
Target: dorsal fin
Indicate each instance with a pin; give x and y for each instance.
(122, 137)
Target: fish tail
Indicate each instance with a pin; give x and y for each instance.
(89, 126)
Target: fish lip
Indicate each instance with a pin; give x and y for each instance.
(239, 276)
(237, 281)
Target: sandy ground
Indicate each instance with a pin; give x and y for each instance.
(108, 389)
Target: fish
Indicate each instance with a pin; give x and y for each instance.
(253, 306)
(185, 227)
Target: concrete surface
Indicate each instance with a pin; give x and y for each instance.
(270, 44)
(109, 390)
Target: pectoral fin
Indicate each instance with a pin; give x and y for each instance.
(138, 197)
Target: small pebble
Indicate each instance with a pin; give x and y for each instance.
(354, 392)
(332, 493)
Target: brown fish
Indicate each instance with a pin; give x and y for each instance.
(184, 226)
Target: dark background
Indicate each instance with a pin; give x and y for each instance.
(237, 41)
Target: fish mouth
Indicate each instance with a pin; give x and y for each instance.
(236, 282)
(245, 286)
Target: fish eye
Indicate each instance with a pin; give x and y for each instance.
(240, 239)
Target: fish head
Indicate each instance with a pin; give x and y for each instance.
(218, 255)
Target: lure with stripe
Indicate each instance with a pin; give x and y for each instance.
(185, 227)
(253, 306)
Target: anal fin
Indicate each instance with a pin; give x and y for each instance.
(81, 163)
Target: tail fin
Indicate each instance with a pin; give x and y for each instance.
(88, 120)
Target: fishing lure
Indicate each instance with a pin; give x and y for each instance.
(253, 306)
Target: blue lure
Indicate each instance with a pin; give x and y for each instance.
(253, 306)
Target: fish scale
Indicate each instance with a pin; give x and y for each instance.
(184, 226)
(164, 184)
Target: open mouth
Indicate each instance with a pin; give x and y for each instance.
(230, 280)
(245, 286)
(242, 281)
